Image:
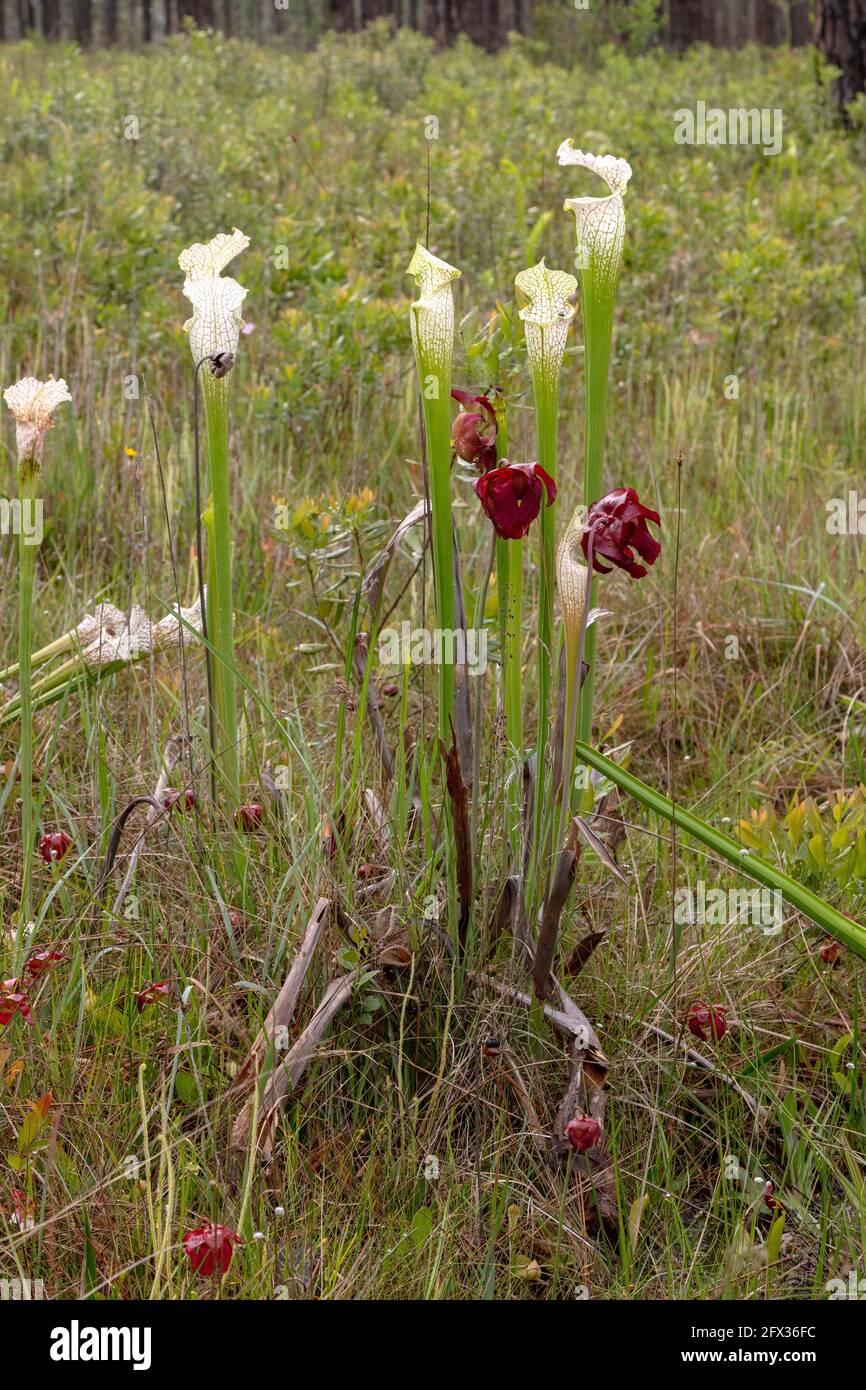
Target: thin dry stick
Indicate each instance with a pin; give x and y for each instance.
(699, 1060)
(283, 1008)
(285, 1080)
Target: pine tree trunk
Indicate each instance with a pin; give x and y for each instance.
(110, 22)
(840, 35)
(82, 22)
(50, 19)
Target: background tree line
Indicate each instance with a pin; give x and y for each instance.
(838, 27)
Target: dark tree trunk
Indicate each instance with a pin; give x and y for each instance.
(840, 34)
(82, 22)
(26, 16)
(227, 18)
(50, 19)
(110, 22)
(146, 21)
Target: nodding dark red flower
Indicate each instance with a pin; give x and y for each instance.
(53, 846)
(210, 1248)
(14, 999)
(184, 801)
(467, 439)
(830, 951)
(707, 1021)
(583, 1132)
(617, 523)
(43, 961)
(511, 495)
(151, 994)
(249, 817)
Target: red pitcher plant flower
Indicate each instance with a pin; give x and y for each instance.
(468, 441)
(615, 526)
(706, 1021)
(42, 961)
(14, 999)
(583, 1132)
(151, 994)
(210, 1248)
(53, 846)
(512, 494)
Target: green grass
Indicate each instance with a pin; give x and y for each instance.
(735, 265)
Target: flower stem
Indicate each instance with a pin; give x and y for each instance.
(27, 478)
(509, 588)
(843, 928)
(219, 600)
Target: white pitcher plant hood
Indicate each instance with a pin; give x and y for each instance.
(546, 316)
(216, 299)
(599, 223)
(33, 404)
(108, 635)
(432, 313)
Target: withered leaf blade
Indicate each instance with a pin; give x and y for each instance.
(600, 848)
(457, 793)
(374, 579)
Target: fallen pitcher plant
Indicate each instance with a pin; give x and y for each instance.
(844, 929)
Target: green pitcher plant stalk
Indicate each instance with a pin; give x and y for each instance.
(599, 233)
(844, 929)
(546, 313)
(214, 331)
(32, 403)
(432, 323)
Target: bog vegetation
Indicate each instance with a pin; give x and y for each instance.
(677, 1110)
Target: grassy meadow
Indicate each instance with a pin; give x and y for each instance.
(407, 1162)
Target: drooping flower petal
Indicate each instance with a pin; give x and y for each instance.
(210, 1248)
(512, 494)
(546, 314)
(432, 316)
(151, 994)
(42, 961)
(473, 433)
(616, 523)
(33, 404)
(14, 999)
(216, 299)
